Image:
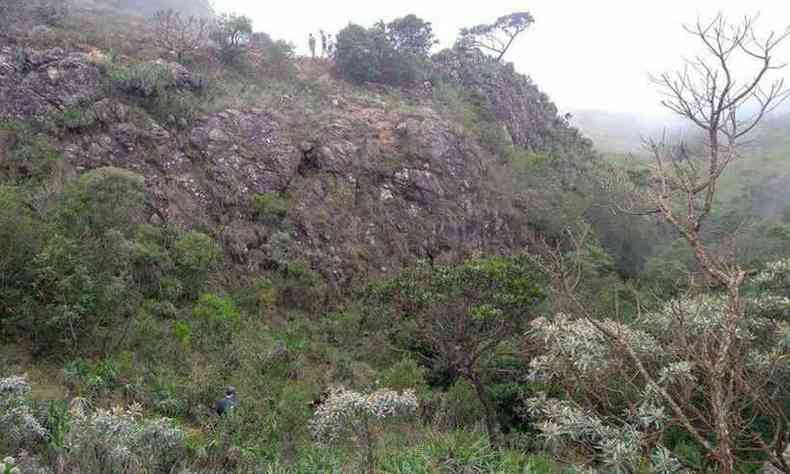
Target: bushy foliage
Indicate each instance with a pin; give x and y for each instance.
(409, 35)
(669, 341)
(270, 208)
(8, 466)
(195, 255)
(458, 408)
(231, 34)
(346, 412)
(103, 441)
(101, 200)
(458, 315)
(75, 119)
(211, 307)
(393, 53)
(145, 79)
(405, 375)
(462, 452)
(121, 441)
(299, 286)
(19, 428)
(20, 239)
(275, 57)
(617, 448)
(356, 54)
(576, 346)
(96, 265)
(31, 155)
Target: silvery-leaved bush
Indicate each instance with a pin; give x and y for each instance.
(345, 411)
(120, 440)
(576, 345)
(18, 424)
(616, 445)
(773, 272)
(669, 341)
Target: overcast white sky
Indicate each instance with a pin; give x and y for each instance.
(585, 54)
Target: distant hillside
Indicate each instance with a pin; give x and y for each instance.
(620, 133)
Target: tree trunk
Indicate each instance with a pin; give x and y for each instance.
(722, 415)
(367, 441)
(492, 426)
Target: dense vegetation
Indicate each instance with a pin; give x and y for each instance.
(585, 336)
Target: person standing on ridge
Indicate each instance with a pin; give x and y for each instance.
(311, 41)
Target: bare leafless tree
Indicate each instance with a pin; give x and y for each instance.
(719, 95)
(179, 34)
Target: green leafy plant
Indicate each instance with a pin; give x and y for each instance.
(146, 79)
(75, 118)
(270, 208)
(459, 315)
(195, 255)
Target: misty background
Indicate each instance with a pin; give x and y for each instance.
(594, 59)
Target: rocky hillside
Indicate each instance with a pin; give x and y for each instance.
(368, 178)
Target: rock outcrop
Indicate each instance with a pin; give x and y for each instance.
(370, 187)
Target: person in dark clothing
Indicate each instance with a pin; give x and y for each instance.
(227, 404)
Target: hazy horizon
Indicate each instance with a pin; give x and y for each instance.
(585, 55)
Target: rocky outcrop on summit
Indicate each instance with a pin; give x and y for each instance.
(530, 116)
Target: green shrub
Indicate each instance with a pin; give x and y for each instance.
(100, 200)
(195, 255)
(458, 451)
(21, 238)
(89, 379)
(69, 294)
(215, 319)
(386, 53)
(153, 266)
(356, 54)
(258, 298)
(300, 287)
(31, 156)
(270, 208)
(459, 407)
(280, 248)
(183, 332)
(175, 108)
(404, 375)
(231, 34)
(75, 118)
(277, 56)
(211, 307)
(147, 79)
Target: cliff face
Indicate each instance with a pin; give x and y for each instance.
(370, 183)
